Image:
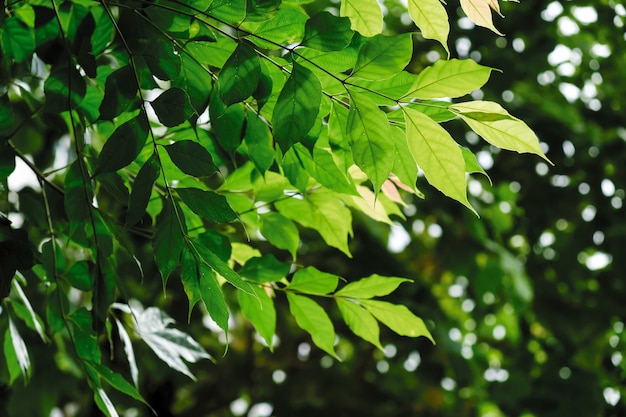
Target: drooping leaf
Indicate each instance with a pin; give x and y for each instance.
(326, 32)
(479, 12)
(310, 280)
(471, 163)
(262, 315)
(239, 77)
(312, 318)
(24, 310)
(369, 132)
(373, 286)
(404, 165)
(207, 204)
(258, 140)
(266, 268)
(192, 158)
(498, 127)
(84, 337)
(297, 107)
(366, 16)
(449, 78)
(213, 297)
(173, 107)
(383, 56)
(398, 318)
(142, 189)
(123, 146)
(190, 277)
(210, 259)
(437, 154)
(227, 123)
(360, 321)
(103, 402)
(115, 380)
(81, 276)
(168, 238)
(129, 351)
(326, 169)
(280, 232)
(432, 19)
(63, 83)
(161, 59)
(16, 354)
(169, 344)
(78, 193)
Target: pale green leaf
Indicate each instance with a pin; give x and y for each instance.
(366, 16)
(372, 286)
(310, 280)
(432, 19)
(369, 132)
(383, 56)
(404, 165)
(313, 319)
(262, 315)
(453, 78)
(285, 27)
(437, 154)
(398, 318)
(479, 12)
(360, 321)
(471, 163)
(498, 127)
(129, 351)
(280, 232)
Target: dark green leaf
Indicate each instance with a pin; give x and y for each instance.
(161, 59)
(142, 189)
(258, 142)
(64, 82)
(207, 204)
(168, 238)
(239, 77)
(78, 193)
(327, 32)
(189, 275)
(227, 123)
(18, 41)
(115, 380)
(297, 107)
(123, 146)
(80, 276)
(173, 107)
(84, 337)
(191, 158)
(120, 90)
(264, 269)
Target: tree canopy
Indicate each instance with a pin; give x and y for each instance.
(220, 179)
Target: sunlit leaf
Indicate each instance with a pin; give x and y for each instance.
(360, 321)
(266, 268)
(452, 78)
(129, 351)
(432, 19)
(372, 286)
(327, 32)
(260, 312)
(366, 16)
(258, 140)
(383, 56)
(479, 12)
(312, 318)
(398, 318)
(285, 27)
(16, 354)
(310, 280)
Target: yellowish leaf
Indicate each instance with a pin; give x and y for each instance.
(479, 12)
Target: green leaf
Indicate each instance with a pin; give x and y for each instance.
(18, 41)
(232, 11)
(471, 163)
(360, 321)
(173, 107)
(142, 189)
(437, 154)
(169, 344)
(168, 239)
(432, 19)
(189, 276)
(24, 310)
(84, 337)
(103, 402)
(388, 91)
(258, 140)
(207, 204)
(313, 281)
(284, 28)
(369, 132)
(192, 158)
(262, 315)
(129, 351)
(124, 145)
(80, 276)
(280, 232)
(297, 107)
(365, 16)
(373, 286)
(383, 56)
(313, 319)
(213, 297)
(404, 165)
(326, 170)
(16, 354)
(324, 213)
(453, 78)
(209, 258)
(7, 158)
(78, 193)
(64, 83)
(120, 90)
(266, 268)
(115, 380)
(227, 123)
(506, 132)
(161, 59)
(398, 318)
(239, 77)
(326, 32)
